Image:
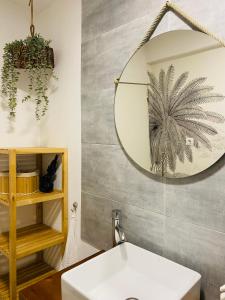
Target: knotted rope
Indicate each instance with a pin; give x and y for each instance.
(32, 27)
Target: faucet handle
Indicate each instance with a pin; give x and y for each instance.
(116, 214)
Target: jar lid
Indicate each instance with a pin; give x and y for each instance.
(20, 174)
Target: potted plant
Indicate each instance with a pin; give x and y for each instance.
(35, 56)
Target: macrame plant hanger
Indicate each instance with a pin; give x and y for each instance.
(193, 24)
(32, 27)
(21, 62)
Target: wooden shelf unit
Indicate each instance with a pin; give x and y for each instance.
(18, 243)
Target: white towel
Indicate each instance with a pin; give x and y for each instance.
(70, 256)
(222, 296)
(222, 288)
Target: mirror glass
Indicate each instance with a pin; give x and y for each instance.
(170, 104)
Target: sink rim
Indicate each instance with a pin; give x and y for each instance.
(68, 277)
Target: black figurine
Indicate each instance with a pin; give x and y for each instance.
(47, 181)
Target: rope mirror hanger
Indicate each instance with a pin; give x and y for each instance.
(192, 23)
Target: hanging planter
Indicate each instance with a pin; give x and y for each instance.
(23, 57)
(36, 57)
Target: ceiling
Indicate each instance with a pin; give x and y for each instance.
(39, 5)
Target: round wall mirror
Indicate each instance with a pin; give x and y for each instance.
(170, 104)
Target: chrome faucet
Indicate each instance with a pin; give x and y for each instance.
(118, 233)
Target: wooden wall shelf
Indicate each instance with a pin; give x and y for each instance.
(18, 243)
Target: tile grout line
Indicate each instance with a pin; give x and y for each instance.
(126, 204)
(83, 40)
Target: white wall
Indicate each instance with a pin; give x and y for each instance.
(25, 131)
(61, 22)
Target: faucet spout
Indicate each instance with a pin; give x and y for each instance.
(118, 232)
(119, 235)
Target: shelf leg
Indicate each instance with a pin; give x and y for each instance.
(39, 206)
(65, 199)
(12, 225)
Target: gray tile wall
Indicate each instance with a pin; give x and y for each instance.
(183, 220)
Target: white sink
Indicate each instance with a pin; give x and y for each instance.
(128, 271)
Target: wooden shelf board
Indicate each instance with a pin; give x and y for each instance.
(33, 150)
(31, 239)
(34, 198)
(4, 199)
(25, 277)
(42, 150)
(38, 197)
(4, 151)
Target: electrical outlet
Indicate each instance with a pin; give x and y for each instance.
(189, 141)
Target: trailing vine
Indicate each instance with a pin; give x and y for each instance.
(34, 55)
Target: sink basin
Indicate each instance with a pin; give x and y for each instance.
(130, 272)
